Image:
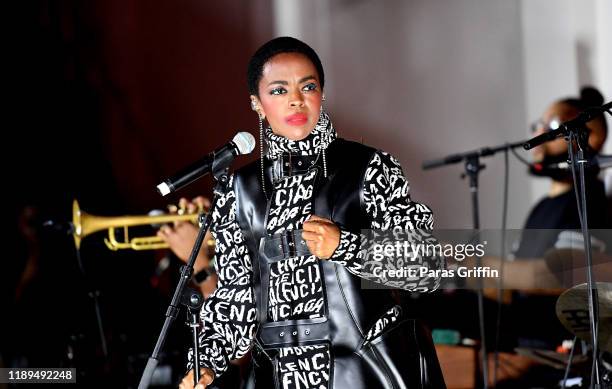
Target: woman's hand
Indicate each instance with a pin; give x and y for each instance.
(322, 236)
(206, 378)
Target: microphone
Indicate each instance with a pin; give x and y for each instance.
(243, 143)
(575, 124)
(598, 161)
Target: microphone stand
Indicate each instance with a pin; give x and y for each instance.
(472, 168)
(573, 126)
(474, 154)
(593, 297)
(576, 129)
(221, 179)
(193, 300)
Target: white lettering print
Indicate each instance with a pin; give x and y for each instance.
(296, 284)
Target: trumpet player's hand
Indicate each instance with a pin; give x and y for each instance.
(198, 204)
(322, 236)
(181, 235)
(206, 378)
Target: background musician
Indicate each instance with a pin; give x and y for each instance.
(530, 322)
(181, 236)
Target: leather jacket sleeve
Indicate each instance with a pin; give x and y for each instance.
(229, 314)
(388, 205)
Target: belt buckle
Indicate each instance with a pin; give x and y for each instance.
(282, 168)
(288, 243)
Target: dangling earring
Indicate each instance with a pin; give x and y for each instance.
(261, 147)
(323, 151)
(321, 110)
(261, 155)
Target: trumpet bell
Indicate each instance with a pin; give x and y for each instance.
(85, 224)
(76, 223)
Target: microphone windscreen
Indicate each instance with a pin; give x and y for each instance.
(245, 142)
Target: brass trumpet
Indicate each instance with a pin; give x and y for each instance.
(85, 224)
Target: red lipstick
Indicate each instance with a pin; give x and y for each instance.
(297, 119)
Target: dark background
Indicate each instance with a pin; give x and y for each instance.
(105, 99)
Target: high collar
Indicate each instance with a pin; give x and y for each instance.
(318, 140)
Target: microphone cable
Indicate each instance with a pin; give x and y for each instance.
(592, 296)
(501, 267)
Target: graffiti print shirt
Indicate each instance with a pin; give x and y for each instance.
(296, 290)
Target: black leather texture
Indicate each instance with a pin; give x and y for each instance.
(401, 357)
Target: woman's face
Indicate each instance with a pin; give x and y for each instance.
(290, 95)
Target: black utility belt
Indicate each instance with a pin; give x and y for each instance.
(294, 333)
(285, 245)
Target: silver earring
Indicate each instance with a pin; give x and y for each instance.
(322, 100)
(261, 156)
(324, 165)
(253, 105)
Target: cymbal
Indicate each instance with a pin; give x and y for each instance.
(573, 311)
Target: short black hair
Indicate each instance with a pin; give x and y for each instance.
(589, 97)
(276, 46)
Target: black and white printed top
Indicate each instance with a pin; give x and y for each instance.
(296, 291)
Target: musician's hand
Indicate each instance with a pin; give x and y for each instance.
(181, 236)
(198, 204)
(322, 236)
(206, 378)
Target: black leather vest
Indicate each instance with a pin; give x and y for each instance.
(403, 356)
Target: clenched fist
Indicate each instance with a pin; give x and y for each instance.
(322, 236)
